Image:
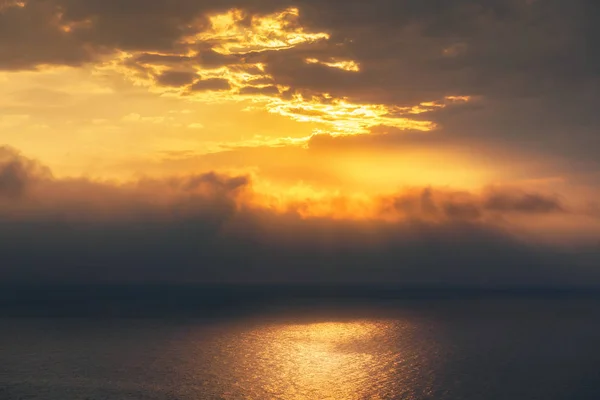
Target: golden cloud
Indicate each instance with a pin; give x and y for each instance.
(235, 34)
(346, 65)
(275, 31)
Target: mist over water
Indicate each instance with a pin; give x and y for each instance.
(452, 349)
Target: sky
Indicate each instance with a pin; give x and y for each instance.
(413, 141)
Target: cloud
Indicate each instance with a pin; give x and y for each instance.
(73, 32)
(266, 90)
(176, 78)
(34, 34)
(210, 84)
(213, 227)
(209, 58)
(431, 204)
(216, 182)
(17, 173)
(522, 202)
(547, 86)
(523, 59)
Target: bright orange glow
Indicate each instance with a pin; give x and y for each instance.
(269, 32)
(344, 65)
(342, 116)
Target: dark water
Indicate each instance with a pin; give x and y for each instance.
(508, 349)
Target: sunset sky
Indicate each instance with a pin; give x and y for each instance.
(413, 141)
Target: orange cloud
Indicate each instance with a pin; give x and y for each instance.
(231, 35)
(218, 64)
(345, 65)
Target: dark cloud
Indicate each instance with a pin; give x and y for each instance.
(210, 84)
(206, 228)
(522, 202)
(529, 64)
(176, 78)
(431, 204)
(414, 50)
(411, 49)
(409, 52)
(17, 173)
(218, 182)
(32, 36)
(257, 90)
(72, 32)
(211, 59)
(225, 244)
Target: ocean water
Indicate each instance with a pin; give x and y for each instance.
(522, 349)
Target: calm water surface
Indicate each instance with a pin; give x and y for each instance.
(507, 351)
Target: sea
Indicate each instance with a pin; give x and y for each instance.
(123, 344)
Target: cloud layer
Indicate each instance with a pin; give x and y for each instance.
(529, 69)
(210, 227)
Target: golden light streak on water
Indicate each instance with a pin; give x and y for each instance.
(327, 361)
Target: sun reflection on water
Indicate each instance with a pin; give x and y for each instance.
(332, 360)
